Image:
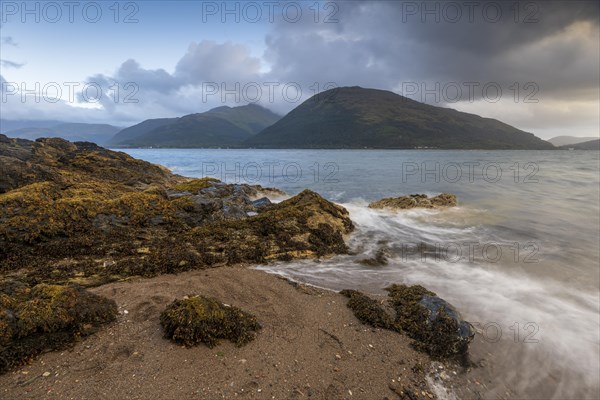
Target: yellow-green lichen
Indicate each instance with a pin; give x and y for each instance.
(195, 185)
(200, 319)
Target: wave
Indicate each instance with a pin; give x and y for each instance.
(544, 327)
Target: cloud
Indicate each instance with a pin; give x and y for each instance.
(208, 61)
(10, 64)
(383, 45)
(552, 45)
(9, 41)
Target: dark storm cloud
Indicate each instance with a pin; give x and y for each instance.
(382, 44)
(388, 44)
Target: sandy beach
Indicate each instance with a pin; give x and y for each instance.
(311, 346)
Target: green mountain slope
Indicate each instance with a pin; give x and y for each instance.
(589, 145)
(559, 141)
(219, 127)
(354, 117)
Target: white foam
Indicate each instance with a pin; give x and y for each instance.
(566, 318)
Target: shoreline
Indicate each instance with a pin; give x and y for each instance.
(311, 346)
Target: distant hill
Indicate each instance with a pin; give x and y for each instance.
(74, 132)
(219, 127)
(7, 125)
(589, 145)
(147, 126)
(566, 140)
(354, 117)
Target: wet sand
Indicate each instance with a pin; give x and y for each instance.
(311, 346)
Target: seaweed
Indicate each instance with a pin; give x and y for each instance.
(367, 310)
(200, 319)
(81, 221)
(195, 185)
(434, 324)
(46, 317)
(416, 200)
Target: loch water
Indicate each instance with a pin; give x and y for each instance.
(519, 256)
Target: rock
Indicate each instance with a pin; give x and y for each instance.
(381, 258)
(434, 323)
(303, 226)
(262, 202)
(414, 201)
(200, 319)
(23, 162)
(234, 212)
(46, 317)
(367, 310)
(80, 202)
(46, 374)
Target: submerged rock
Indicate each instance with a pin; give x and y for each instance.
(416, 200)
(380, 258)
(46, 317)
(199, 319)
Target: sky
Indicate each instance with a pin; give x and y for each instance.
(532, 64)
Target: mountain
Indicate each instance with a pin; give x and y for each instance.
(219, 127)
(7, 125)
(566, 140)
(354, 117)
(140, 129)
(589, 145)
(75, 132)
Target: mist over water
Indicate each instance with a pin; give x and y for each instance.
(519, 257)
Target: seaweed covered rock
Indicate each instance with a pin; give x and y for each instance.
(200, 319)
(23, 162)
(46, 317)
(78, 213)
(303, 226)
(436, 326)
(434, 323)
(367, 310)
(416, 200)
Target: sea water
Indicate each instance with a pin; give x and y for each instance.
(519, 256)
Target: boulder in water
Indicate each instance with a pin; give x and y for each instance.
(436, 326)
(416, 200)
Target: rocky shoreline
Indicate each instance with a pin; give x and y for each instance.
(76, 216)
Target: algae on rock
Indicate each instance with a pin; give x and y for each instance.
(200, 319)
(67, 215)
(416, 200)
(46, 317)
(434, 324)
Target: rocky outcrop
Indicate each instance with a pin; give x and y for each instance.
(76, 215)
(80, 214)
(23, 162)
(416, 200)
(46, 317)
